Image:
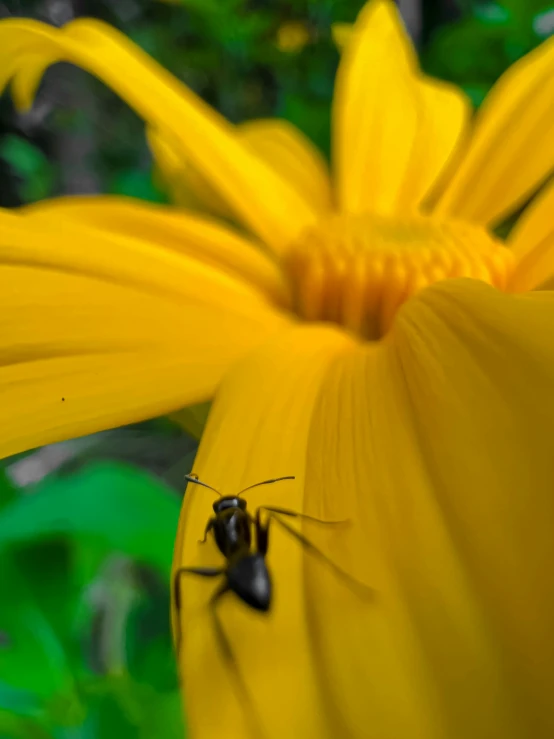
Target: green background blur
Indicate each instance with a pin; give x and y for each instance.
(87, 526)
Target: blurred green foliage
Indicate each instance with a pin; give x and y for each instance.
(486, 40)
(85, 649)
(30, 165)
(86, 543)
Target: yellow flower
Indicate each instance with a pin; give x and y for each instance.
(292, 36)
(423, 415)
(342, 33)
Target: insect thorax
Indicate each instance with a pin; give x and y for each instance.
(232, 531)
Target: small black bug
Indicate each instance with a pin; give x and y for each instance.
(245, 571)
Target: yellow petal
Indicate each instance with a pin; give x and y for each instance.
(293, 156)
(257, 430)
(442, 117)
(444, 114)
(99, 330)
(204, 240)
(185, 186)
(278, 143)
(265, 202)
(512, 150)
(437, 445)
(342, 34)
(375, 113)
(532, 242)
(292, 36)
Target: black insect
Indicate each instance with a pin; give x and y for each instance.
(245, 571)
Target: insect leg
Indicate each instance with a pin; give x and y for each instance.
(209, 527)
(238, 682)
(354, 584)
(202, 572)
(262, 533)
(296, 514)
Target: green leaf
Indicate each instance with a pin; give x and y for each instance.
(18, 701)
(25, 158)
(515, 48)
(30, 164)
(198, 6)
(467, 52)
(491, 14)
(31, 656)
(476, 93)
(151, 660)
(522, 11)
(135, 183)
(47, 568)
(122, 508)
(13, 726)
(109, 720)
(122, 708)
(312, 117)
(165, 715)
(8, 491)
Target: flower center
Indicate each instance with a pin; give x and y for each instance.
(357, 270)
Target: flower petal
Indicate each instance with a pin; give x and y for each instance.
(282, 146)
(269, 206)
(374, 111)
(444, 115)
(257, 430)
(532, 242)
(341, 34)
(443, 462)
(185, 186)
(512, 150)
(204, 240)
(99, 330)
(293, 156)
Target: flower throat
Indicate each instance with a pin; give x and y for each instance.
(357, 271)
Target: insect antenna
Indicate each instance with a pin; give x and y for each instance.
(266, 482)
(194, 478)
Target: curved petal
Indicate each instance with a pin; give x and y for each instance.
(512, 149)
(444, 463)
(396, 130)
(127, 220)
(257, 429)
(269, 206)
(278, 143)
(293, 156)
(532, 242)
(444, 116)
(374, 111)
(180, 180)
(99, 330)
(341, 34)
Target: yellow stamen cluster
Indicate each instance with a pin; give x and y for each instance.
(357, 270)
